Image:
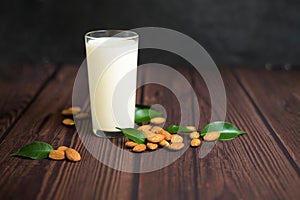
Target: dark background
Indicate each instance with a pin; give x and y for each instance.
(234, 32)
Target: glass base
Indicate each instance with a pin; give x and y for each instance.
(108, 134)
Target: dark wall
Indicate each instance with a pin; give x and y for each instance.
(234, 32)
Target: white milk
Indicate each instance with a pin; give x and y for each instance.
(110, 60)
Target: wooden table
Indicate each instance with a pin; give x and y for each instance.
(263, 164)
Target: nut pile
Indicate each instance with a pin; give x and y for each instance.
(158, 137)
(73, 112)
(63, 152)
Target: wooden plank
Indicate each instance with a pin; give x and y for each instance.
(47, 179)
(175, 181)
(276, 94)
(19, 85)
(249, 167)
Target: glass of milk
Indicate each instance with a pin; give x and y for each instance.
(112, 70)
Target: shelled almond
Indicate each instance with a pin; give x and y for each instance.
(157, 137)
(176, 138)
(192, 128)
(73, 112)
(130, 144)
(144, 127)
(164, 143)
(81, 115)
(63, 152)
(195, 142)
(57, 155)
(211, 136)
(194, 135)
(166, 134)
(68, 122)
(139, 148)
(72, 155)
(156, 129)
(176, 146)
(157, 120)
(152, 146)
(62, 148)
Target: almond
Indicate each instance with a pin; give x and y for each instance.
(66, 112)
(156, 129)
(81, 115)
(155, 138)
(164, 143)
(75, 109)
(72, 154)
(130, 144)
(71, 111)
(194, 135)
(195, 142)
(139, 148)
(157, 120)
(57, 155)
(148, 133)
(192, 128)
(62, 148)
(68, 122)
(176, 146)
(176, 138)
(144, 127)
(152, 146)
(146, 130)
(166, 134)
(211, 136)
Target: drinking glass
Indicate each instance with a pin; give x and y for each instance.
(112, 70)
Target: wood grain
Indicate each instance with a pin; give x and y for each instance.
(177, 180)
(18, 87)
(253, 166)
(249, 167)
(276, 94)
(46, 179)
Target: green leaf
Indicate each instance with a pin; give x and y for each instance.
(34, 150)
(227, 131)
(145, 114)
(176, 129)
(134, 134)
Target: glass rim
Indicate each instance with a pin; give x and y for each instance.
(134, 34)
